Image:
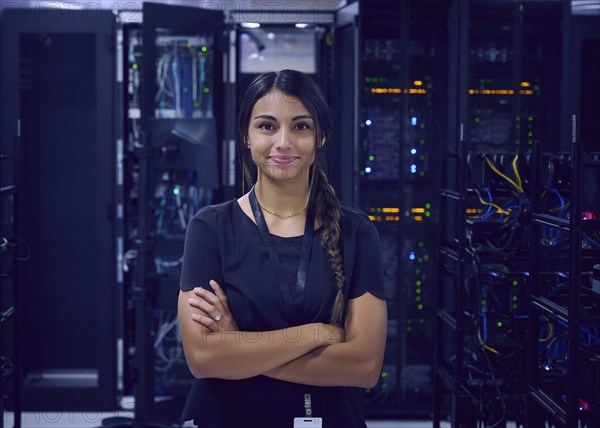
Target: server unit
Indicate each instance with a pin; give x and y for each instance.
(58, 80)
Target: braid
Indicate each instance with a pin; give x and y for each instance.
(327, 209)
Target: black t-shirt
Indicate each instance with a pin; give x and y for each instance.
(224, 244)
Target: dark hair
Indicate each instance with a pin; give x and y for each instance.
(322, 200)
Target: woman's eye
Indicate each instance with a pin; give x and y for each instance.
(302, 126)
(266, 126)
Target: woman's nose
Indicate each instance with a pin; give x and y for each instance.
(283, 139)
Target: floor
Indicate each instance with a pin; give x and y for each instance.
(94, 420)
(89, 420)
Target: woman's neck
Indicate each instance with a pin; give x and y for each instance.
(285, 198)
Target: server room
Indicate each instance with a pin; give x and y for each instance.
(300, 213)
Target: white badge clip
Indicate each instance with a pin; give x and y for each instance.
(308, 421)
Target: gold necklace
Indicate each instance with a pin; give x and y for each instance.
(281, 216)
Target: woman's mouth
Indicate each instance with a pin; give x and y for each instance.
(284, 160)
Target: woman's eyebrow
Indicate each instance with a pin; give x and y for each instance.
(295, 118)
(265, 116)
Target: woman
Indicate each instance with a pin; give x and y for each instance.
(282, 289)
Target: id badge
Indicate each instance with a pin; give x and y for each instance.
(308, 423)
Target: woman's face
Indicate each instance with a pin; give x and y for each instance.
(281, 136)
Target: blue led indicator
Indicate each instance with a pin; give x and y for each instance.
(368, 122)
(368, 169)
(413, 169)
(413, 151)
(413, 121)
(411, 255)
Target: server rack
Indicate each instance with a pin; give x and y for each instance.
(563, 350)
(58, 67)
(503, 75)
(12, 254)
(173, 59)
(396, 98)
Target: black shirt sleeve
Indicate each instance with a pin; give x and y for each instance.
(201, 256)
(367, 273)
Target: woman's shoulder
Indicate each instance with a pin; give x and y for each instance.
(210, 213)
(354, 216)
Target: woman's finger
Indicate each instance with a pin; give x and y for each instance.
(204, 306)
(207, 322)
(218, 291)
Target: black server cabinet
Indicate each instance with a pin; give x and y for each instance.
(58, 97)
(390, 160)
(172, 152)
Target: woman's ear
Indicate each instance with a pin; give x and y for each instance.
(321, 143)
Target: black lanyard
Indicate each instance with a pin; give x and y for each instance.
(295, 298)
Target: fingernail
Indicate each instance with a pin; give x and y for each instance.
(192, 301)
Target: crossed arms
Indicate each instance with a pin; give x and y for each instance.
(314, 354)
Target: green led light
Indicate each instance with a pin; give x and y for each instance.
(427, 214)
(176, 191)
(384, 374)
(418, 271)
(427, 205)
(476, 120)
(418, 283)
(499, 324)
(514, 306)
(530, 118)
(206, 90)
(422, 126)
(515, 298)
(418, 298)
(197, 104)
(530, 134)
(420, 307)
(203, 48)
(367, 79)
(371, 158)
(134, 66)
(421, 173)
(483, 302)
(418, 291)
(420, 259)
(515, 282)
(421, 244)
(518, 118)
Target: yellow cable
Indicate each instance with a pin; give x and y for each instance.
(489, 348)
(499, 209)
(516, 171)
(550, 330)
(497, 171)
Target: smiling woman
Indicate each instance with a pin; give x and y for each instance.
(305, 314)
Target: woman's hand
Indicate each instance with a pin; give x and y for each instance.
(215, 306)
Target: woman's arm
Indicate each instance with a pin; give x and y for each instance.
(230, 354)
(355, 362)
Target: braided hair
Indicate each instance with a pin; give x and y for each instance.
(322, 198)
